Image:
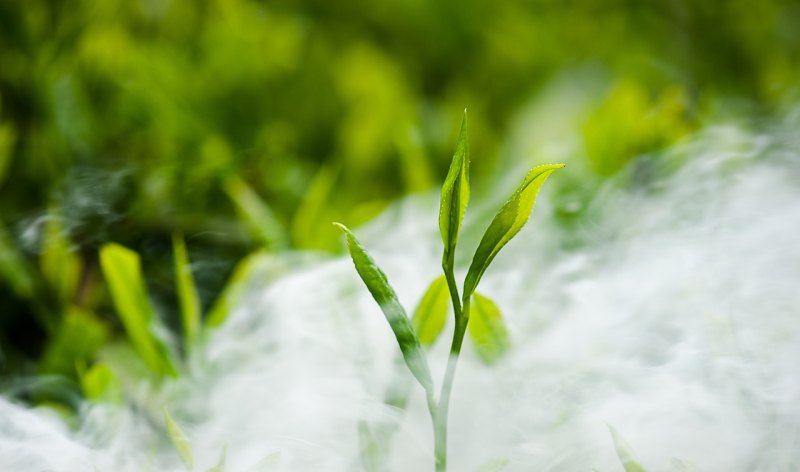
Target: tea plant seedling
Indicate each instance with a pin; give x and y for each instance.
(489, 332)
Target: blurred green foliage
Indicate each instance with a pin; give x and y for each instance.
(251, 125)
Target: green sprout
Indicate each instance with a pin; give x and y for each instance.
(487, 331)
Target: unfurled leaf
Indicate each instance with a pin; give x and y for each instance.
(506, 224)
(487, 329)
(384, 295)
(431, 313)
(187, 291)
(179, 440)
(455, 197)
(625, 454)
(123, 275)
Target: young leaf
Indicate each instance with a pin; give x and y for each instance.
(123, 275)
(179, 440)
(384, 295)
(187, 292)
(455, 196)
(624, 453)
(431, 313)
(256, 215)
(99, 383)
(506, 224)
(487, 330)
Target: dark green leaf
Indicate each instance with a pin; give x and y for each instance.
(384, 295)
(455, 196)
(431, 313)
(506, 224)
(123, 275)
(487, 329)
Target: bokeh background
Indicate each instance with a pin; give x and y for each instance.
(249, 126)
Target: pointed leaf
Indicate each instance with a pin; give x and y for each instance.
(179, 440)
(624, 453)
(123, 274)
(187, 291)
(431, 313)
(455, 196)
(487, 329)
(506, 224)
(220, 467)
(384, 295)
(255, 214)
(60, 264)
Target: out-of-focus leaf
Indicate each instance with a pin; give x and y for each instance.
(487, 329)
(60, 265)
(220, 467)
(454, 197)
(307, 230)
(384, 295)
(187, 291)
(14, 268)
(234, 289)
(369, 448)
(179, 440)
(8, 137)
(99, 383)
(494, 465)
(506, 224)
(624, 453)
(255, 214)
(267, 464)
(77, 339)
(431, 313)
(123, 275)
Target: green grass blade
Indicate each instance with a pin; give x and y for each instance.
(179, 440)
(14, 268)
(384, 295)
(624, 453)
(256, 215)
(506, 224)
(187, 291)
(59, 263)
(454, 197)
(123, 274)
(99, 383)
(78, 337)
(220, 467)
(267, 464)
(487, 329)
(235, 288)
(431, 313)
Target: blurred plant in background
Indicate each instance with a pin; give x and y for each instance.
(250, 125)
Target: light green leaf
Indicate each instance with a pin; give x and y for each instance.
(60, 265)
(123, 275)
(494, 465)
(487, 329)
(455, 197)
(257, 216)
(179, 440)
(235, 288)
(14, 267)
(99, 383)
(431, 313)
(625, 454)
(187, 291)
(79, 335)
(220, 467)
(506, 224)
(384, 295)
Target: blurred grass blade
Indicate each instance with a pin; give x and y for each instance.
(14, 267)
(506, 224)
(234, 289)
(179, 440)
(455, 196)
(187, 291)
(624, 453)
(487, 329)
(431, 313)
(257, 216)
(122, 271)
(78, 337)
(306, 230)
(99, 383)
(220, 467)
(267, 464)
(494, 465)
(60, 265)
(384, 295)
